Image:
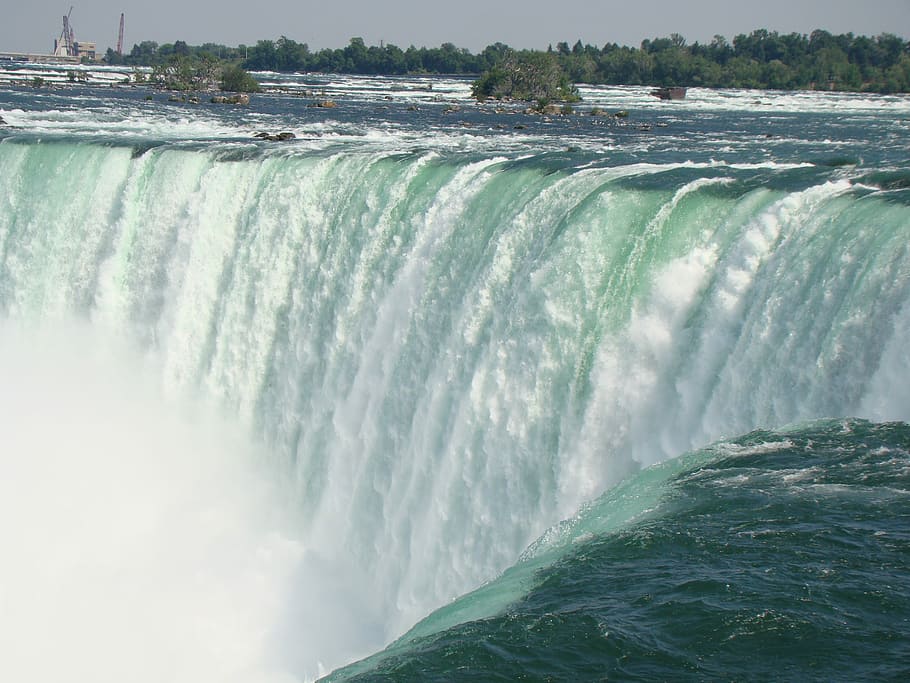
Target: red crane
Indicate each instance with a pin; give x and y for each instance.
(120, 38)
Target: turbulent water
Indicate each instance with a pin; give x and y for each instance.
(775, 556)
(269, 407)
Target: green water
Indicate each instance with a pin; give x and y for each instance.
(775, 556)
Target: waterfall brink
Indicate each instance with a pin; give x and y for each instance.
(376, 378)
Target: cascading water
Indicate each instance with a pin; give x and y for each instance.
(324, 394)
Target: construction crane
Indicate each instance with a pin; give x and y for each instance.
(70, 38)
(120, 37)
(66, 44)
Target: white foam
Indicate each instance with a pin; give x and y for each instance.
(888, 394)
(147, 540)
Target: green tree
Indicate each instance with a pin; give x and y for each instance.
(355, 54)
(778, 75)
(290, 55)
(527, 76)
(145, 52)
(890, 49)
(494, 54)
(111, 57)
(236, 79)
(262, 56)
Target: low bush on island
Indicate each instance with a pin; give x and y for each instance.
(528, 77)
(185, 74)
(236, 79)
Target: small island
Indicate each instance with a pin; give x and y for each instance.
(202, 73)
(529, 77)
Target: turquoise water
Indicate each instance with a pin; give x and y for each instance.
(777, 555)
(403, 381)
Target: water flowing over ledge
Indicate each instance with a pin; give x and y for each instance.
(432, 357)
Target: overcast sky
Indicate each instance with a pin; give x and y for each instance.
(32, 25)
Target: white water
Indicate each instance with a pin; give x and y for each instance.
(308, 399)
(143, 539)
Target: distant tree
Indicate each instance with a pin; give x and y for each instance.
(262, 56)
(290, 55)
(719, 51)
(658, 45)
(819, 40)
(494, 54)
(355, 53)
(145, 52)
(778, 75)
(111, 57)
(394, 60)
(891, 48)
(236, 79)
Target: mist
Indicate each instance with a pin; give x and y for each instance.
(147, 538)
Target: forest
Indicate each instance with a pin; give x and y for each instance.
(762, 59)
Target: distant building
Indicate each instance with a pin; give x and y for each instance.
(85, 49)
(81, 49)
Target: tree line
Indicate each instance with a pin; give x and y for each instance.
(761, 59)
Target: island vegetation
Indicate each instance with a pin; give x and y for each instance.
(528, 76)
(201, 72)
(761, 59)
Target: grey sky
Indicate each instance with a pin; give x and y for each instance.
(32, 25)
